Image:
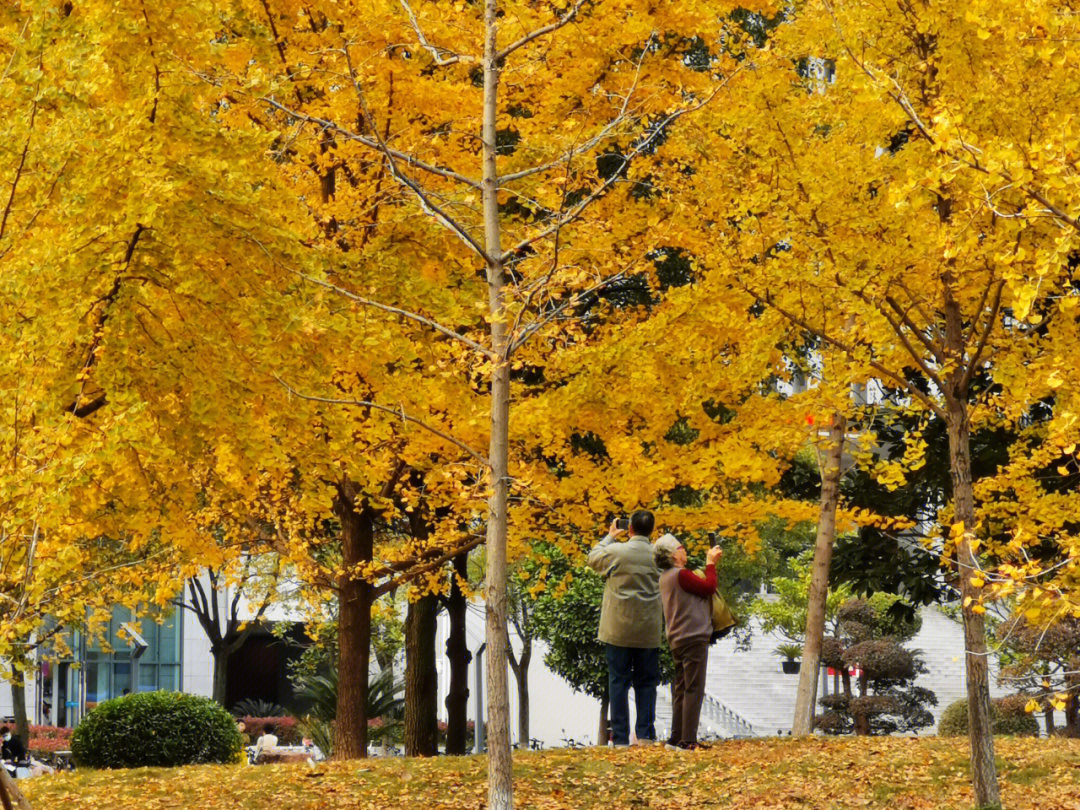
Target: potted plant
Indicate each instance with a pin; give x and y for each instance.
(790, 652)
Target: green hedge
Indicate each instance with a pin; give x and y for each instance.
(162, 729)
(1008, 716)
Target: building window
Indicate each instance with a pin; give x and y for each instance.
(110, 671)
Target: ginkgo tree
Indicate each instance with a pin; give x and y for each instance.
(893, 209)
(521, 144)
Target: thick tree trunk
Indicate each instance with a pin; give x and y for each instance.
(221, 668)
(602, 733)
(831, 460)
(354, 626)
(500, 756)
(421, 679)
(980, 725)
(18, 704)
(457, 652)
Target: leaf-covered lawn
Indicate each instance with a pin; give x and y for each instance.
(815, 773)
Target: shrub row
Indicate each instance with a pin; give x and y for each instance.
(47, 739)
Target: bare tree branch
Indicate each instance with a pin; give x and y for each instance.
(566, 18)
(898, 328)
(577, 298)
(372, 143)
(425, 200)
(638, 149)
(442, 56)
(19, 170)
(386, 587)
(849, 350)
(438, 327)
(603, 135)
(931, 347)
(976, 357)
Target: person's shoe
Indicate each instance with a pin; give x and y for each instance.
(620, 745)
(671, 746)
(644, 743)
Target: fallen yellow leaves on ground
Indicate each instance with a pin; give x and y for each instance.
(898, 773)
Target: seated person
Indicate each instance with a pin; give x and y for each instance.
(266, 743)
(13, 749)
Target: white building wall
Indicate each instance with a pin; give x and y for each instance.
(7, 706)
(197, 663)
(751, 683)
(556, 713)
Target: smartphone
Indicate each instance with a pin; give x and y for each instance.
(623, 524)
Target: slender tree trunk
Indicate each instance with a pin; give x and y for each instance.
(500, 756)
(457, 652)
(862, 720)
(602, 732)
(831, 460)
(354, 626)
(980, 724)
(1048, 716)
(521, 676)
(221, 668)
(421, 678)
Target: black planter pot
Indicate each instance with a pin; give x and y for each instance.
(790, 667)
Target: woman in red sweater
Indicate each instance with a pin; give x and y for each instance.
(688, 620)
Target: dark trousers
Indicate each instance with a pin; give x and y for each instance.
(688, 690)
(640, 668)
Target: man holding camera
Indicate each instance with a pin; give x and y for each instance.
(631, 624)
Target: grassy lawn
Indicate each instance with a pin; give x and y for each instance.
(815, 773)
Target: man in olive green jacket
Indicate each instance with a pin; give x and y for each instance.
(631, 625)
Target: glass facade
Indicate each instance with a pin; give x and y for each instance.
(112, 674)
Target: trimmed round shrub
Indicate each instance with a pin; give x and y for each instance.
(160, 729)
(1007, 713)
